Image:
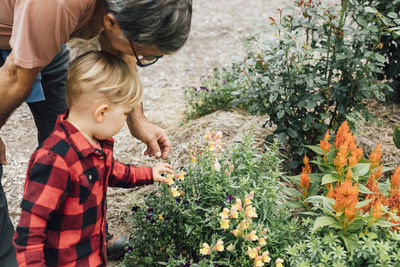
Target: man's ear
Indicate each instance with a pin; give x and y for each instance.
(109, 21)
(100, 112)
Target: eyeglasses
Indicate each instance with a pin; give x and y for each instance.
(144, 61)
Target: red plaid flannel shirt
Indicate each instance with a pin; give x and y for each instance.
(64, 204)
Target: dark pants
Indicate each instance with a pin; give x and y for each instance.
(45, 115)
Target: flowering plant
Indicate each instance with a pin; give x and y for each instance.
(348, 189)
(184, 221)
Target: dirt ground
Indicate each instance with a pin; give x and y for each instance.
(214, 39)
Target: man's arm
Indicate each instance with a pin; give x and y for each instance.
(15, 86)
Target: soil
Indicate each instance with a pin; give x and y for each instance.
(217, 28)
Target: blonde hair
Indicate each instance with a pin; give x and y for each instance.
(98, 74)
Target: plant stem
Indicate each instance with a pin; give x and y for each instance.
(338, 37)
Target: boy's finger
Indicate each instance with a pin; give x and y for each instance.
(168, 166)
(166, 170)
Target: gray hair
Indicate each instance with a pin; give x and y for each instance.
(164, 23)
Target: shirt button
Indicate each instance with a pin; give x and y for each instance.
(90, 177)
(101, 157)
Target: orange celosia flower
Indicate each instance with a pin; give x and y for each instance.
(305, 183)
(341, 158)
(377, 209)
(304, 178)
(341, 135)
(324, 144)
(355, 151)
(349, 174)
(330, 190)
(395, 180)
(375, 157)
(393, 202)
(306, 168)
(372, 185)
(346, 198)
(353, 161)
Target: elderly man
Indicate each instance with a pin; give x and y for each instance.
(35, 59)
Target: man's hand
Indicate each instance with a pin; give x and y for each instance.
(158, 143)
(3, 160)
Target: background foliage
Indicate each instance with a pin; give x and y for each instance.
(391, 45)
(319, 70)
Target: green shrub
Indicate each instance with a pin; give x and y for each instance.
(391, 45)
(323, 65)
(173, 222)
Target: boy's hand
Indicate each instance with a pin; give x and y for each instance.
(159, 168)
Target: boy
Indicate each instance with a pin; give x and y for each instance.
(64, 204)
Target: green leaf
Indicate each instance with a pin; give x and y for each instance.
(369, 9)
(392, 15)
(380, 58)
(316, 149)
(383, 223)
(396, 136)
(280, 114)
(328, 178)
(360, 169)
(295, 179)
(363, 203)
(350, 241)
(292, 132)
(363, 189)
(292, 192)
(387, 169)
(323, 199)
(372, 236)
(189, 230)
(323, 221)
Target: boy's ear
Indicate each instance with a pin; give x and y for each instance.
(100, 112)
(109, 21)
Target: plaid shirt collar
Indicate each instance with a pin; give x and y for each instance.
(79, 142)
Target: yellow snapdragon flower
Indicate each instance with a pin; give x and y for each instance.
(225, 223)
(258, 261)
(238, 204)
(279, 262)
(181, 175)
(252, 252)
(236, 232)
(225, 213)
(265, 257)
(234, 212)
(252, 236)
(219, 246)
(251, 212)
(205, 250)
(175, 192)
(262, 241)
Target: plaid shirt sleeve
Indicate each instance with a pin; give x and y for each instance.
(46, 187)
(128, 175)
